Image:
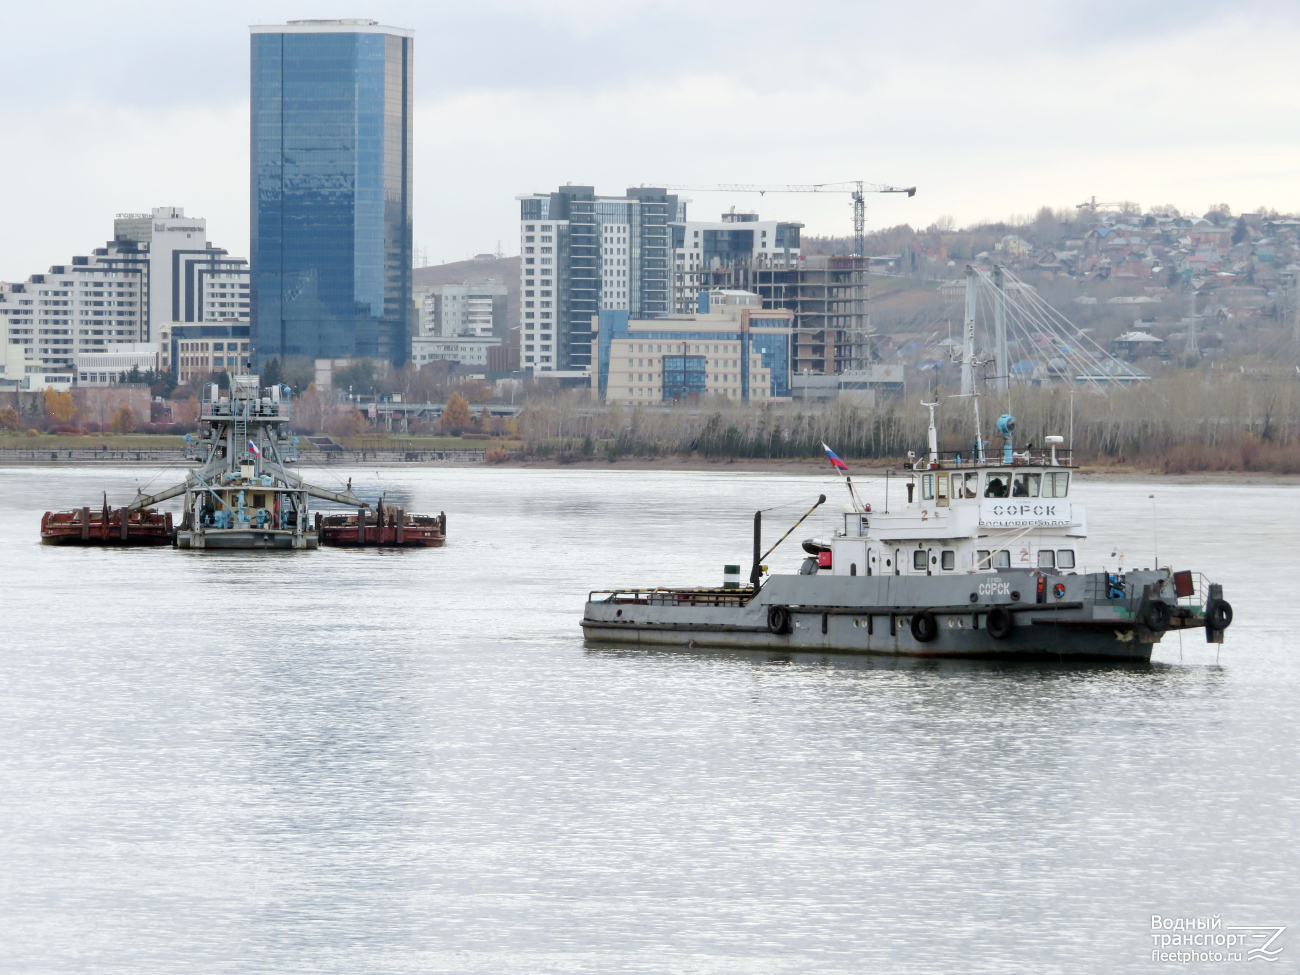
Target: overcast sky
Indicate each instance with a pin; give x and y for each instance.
(990, 109)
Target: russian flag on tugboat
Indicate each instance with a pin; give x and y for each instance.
(838, 464)
(253, 449)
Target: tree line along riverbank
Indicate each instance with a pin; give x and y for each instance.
(1232, 422)
(1228, 422)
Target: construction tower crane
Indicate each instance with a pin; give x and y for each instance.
(856, 339)
(857, 190)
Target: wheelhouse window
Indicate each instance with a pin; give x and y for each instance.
(943, 489)
(1046, 559)
(1056, 484)
(1002, 559)
(919, 560)
(983, 559)
(949, 560)
(972, 485)
(1065, 558)
(927, 487)
(997, 484)
(1026, 485)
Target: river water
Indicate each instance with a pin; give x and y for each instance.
(346, 762)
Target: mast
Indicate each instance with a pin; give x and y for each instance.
(1000, 330)
(968, 335)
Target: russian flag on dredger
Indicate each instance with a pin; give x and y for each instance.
(253, 449)
(838, 464)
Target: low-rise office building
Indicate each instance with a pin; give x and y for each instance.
(197, 350)
(465, 349)
(731, 348)
(110, 368)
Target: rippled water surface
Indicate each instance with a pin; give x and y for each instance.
(352, 762)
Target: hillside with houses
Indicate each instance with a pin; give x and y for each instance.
(1160, 289)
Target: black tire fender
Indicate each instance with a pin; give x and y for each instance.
(924, 626)
(1000, 622)
(1157, 615)
(1219, 615)
(778, 619)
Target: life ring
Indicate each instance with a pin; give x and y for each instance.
(1000, 622)
(778, 619)
(1219, 616)
(924, 626)
(1156, 616)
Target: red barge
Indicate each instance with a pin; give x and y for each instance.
(385, 527)
(107, 526)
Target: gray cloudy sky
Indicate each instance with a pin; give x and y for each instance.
(989, 108)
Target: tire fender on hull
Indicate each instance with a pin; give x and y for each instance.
(924, 626)
(778, 619)
(1000, 622)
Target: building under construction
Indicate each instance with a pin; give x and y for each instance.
(828, 295)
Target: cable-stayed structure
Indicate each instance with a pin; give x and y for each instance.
(1013, 311)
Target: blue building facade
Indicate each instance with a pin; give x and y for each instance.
(331, 236)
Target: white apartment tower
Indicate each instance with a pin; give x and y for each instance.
(582, 253)
(189, 279)
(76, 308)
(157, 272)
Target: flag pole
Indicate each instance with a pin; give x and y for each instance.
(837, 463)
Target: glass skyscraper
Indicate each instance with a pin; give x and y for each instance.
(331, 190)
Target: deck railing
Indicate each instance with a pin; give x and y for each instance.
(672, 597)
(967, 460)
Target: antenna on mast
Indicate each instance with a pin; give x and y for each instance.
(933, 435)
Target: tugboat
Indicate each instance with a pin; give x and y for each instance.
(981, 561)
(242, 496)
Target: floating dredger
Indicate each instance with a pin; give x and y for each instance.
(242, 495)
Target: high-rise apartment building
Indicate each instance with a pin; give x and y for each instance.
(187, 279)
(581, 254)
(331, 190)
(158, 273)
(477, 310)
